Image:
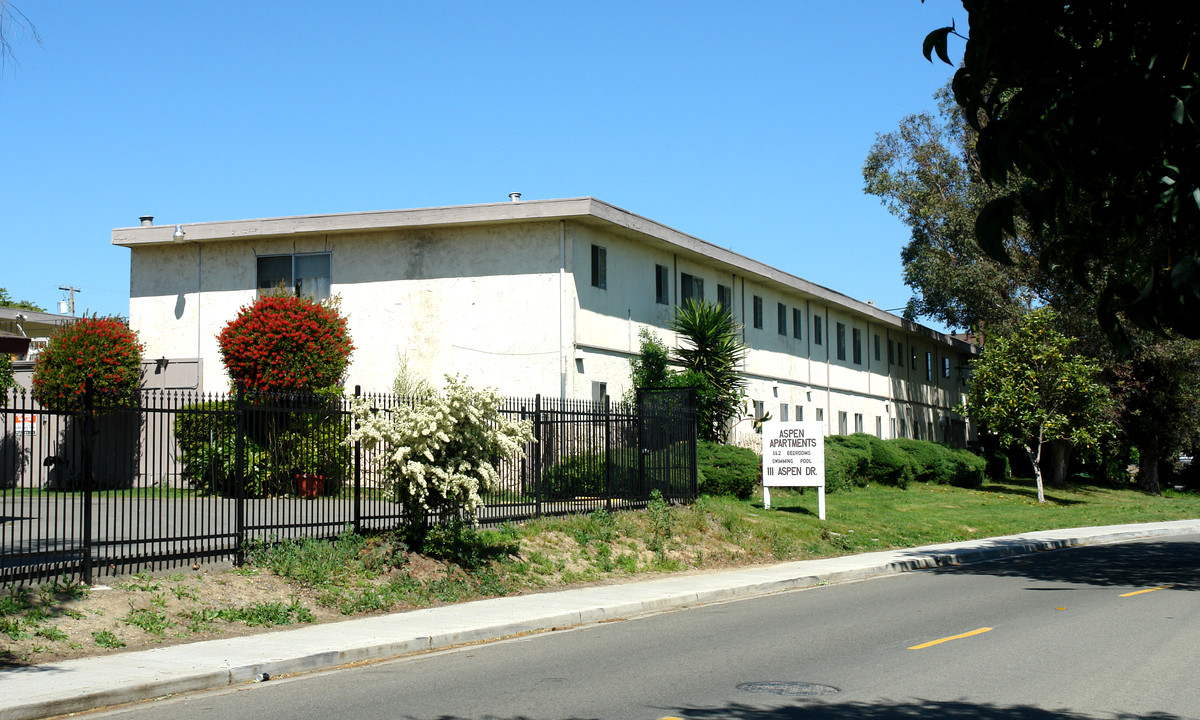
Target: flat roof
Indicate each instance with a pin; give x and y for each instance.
(585, 210)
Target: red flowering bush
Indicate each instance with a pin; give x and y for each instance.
(100, 348)
(288, 343)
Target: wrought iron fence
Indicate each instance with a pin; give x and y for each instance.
(182, 478)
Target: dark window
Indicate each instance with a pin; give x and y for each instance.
(662, 290)
(928, 367)
(758, 312)
(816, 329)
(877, 345)
(945, 367)
(797, 321)
(914, 356)
(307, 275)
(782, 315)
(599, 267)
(725, 298)
(690, 288)
(856, 345)
(841, 341)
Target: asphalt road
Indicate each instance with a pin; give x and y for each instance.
(1098, 632)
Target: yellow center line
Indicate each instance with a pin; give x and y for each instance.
(931, 643)
(1139, 592)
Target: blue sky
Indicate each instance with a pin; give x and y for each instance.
(743, 124)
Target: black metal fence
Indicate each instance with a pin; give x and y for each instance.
(182, 478)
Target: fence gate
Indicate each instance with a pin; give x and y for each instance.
(667, 441)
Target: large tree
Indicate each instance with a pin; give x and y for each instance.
(1093, 105)
(1030, 388)
(926, 173)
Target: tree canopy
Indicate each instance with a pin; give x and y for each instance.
(7, 301)
(1030, 388)
(1092, 107)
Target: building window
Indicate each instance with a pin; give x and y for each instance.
(842, 427)
(797, 321)
(662, 287)
(758, 312)
(877, 345)
(305, 275)
(781, 313)
(816, 329)
(903, 428)
(690, 288)
(879, 426)
(841, 341)
(858, 422)
(928, 367)
(820, 414)
(783, 412)
(914, 356)
(800, 413)
(599, 391)
(599, 267)
(725, 298)
(856, 345)
(760, 409)
(945, 367)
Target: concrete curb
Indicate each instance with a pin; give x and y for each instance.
(87, 683)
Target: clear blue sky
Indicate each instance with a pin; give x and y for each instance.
(745, 124)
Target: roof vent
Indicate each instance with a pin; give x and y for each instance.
(147, 220)
(514, 196)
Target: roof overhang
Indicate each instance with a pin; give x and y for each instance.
(584, 210)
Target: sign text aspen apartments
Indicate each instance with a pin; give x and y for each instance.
(794, 456)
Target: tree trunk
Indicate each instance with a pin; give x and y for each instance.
(1059, 456)
(1035, 457)
(1148, 462)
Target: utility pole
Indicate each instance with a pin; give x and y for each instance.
(71, 296)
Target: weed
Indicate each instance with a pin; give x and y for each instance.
(106, 638)
(140, 581)
(627, 563)
(13, 628)
(183, 592)
(154, 622)
(51, 633)
(661, 524)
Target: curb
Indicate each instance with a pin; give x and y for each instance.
(74, 685)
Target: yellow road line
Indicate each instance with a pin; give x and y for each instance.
(931, 643)
(1139, 592)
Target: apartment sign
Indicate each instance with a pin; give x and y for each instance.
(793, 455)
(26, 424)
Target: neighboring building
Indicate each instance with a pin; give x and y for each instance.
(543, 296)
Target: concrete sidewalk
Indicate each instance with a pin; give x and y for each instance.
(77, 685)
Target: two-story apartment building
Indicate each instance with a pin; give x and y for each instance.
(544, 296)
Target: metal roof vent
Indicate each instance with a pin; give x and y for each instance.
(514, 196)
(147, 220)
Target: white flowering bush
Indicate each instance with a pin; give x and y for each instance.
(439, 454)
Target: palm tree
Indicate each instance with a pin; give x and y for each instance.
(710, 351)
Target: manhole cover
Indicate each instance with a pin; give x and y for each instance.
(794, 689)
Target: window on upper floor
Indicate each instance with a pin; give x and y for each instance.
(856, 345)
(842, 424)
(841, 341)
(820, 414)
(858, 422)
(945, 367)
(816, 338)
(914, 356)
(599, 267)
(783, 412)
(662, 287)
(797, 322)
(928, 367)
(690, 288)
(781, 314)
(305, 274)
(877, 346)
(725, 298)
(758, 312)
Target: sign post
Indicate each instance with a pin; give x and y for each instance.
(794, 456)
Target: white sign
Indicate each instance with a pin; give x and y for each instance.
(794, 456)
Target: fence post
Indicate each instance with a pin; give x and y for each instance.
(88, 427)
(357, 470)
(537, 462)
(608, 451)
(239, 480)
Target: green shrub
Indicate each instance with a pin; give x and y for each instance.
(847, 463)
(584, 475)
(728, 470)
(941, 464)
(279, 444)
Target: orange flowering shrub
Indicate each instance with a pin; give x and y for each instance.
(103, 349)
(286, 343)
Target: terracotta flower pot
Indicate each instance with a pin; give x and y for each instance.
(309, 485)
